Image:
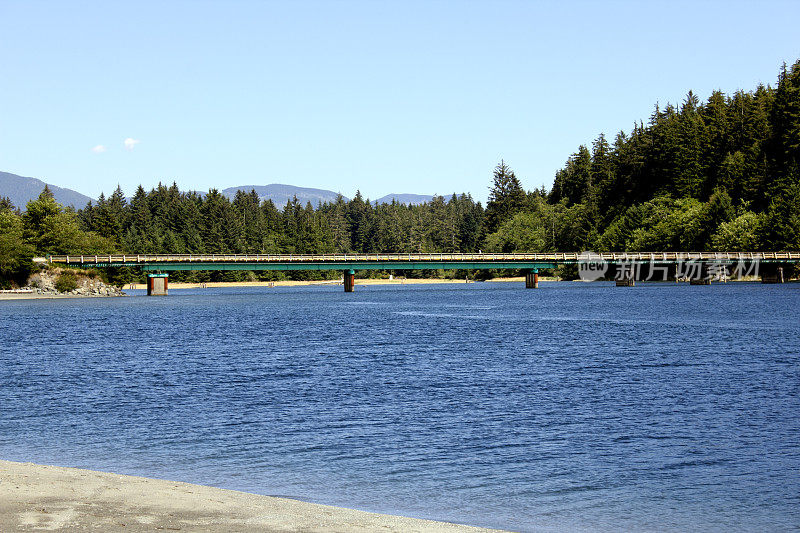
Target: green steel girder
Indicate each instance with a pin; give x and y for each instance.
(375, 265)
(349, 265)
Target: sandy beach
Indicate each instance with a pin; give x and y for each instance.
(50, 498)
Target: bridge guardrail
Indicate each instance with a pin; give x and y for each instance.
(560, 257)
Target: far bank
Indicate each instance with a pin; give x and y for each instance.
(296, 283)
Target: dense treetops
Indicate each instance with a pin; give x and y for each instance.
(723, 174)
(719, 175)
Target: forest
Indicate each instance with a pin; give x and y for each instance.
(723, 174)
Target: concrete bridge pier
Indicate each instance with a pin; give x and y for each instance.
(349, 280)
(532, 279)
(704, 276)
(157, 284)
(772, 273)
(625, 275)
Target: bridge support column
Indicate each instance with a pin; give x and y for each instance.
(771, 274)
(625, 275)
(704, 277)
(157, 284)
(349, 280)
(532, 279)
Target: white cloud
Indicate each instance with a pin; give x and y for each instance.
(99, 149)
(130, 143)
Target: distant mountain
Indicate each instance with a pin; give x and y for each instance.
(280, 194)
(22, 190)
(405, 198)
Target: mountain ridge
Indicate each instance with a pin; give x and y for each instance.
(405, 198)
(22, 189)
(281, 193)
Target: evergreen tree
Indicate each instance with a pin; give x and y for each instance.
(15, 253)
(785, 143)
(506, 196)
(6, 204)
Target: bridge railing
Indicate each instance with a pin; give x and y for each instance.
(561, 257)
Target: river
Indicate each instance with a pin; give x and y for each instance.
(577, 406)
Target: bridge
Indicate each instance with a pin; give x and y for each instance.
(626, 262)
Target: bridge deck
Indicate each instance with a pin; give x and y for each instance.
(404, 261)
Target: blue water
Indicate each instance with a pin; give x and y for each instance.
(662, 407)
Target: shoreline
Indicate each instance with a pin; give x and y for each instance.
(10, 296)
(34, 496)
(266, 284)
(397, 281)
(306, 283)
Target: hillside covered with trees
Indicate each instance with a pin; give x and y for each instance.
(723, 174)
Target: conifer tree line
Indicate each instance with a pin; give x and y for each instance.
(166, 220)
(723, 174)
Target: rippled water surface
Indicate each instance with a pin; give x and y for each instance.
(576, 406)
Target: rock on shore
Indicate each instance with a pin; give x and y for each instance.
(44, 283)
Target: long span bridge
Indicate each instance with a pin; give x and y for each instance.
(531, 263)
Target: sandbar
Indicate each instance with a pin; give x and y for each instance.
(52, 498)
(7, 295)
(293, 283)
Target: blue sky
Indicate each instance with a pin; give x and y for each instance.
(379, 96)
